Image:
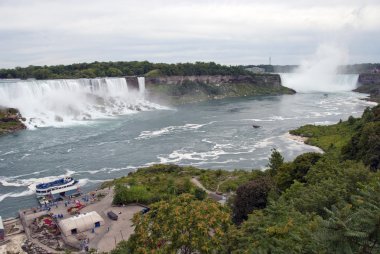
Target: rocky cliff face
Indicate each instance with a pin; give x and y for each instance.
(272, 80)
(369, 78)
(183, 89)
(132, 82)
(10, 121)
(369, 83)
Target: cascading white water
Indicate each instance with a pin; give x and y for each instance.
(329, 83)
(69, 101)
(141, 81)
(318, 73)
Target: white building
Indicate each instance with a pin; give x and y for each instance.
(256, 69)
(80, 223)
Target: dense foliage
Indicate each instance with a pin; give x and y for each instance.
(162, 182)
(152, 184)
(365, 143)
(181, 225)
(117, 69)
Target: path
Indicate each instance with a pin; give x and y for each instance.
(211, 194)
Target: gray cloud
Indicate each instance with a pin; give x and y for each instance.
(43, 32)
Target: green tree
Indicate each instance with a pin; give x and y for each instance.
(275, 161)
(250, 196)
(351, 120)
(114, 72)
(355, 228)
(279, 229)
(365, 146)
(42, 74)
(181, 225)
(200, 194)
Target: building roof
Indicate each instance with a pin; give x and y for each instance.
(81, 222)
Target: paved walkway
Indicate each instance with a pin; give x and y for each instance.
(211, 194)
(120, 230)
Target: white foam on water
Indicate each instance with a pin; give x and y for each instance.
(9, 152)
(16, 194)
(92, 172)
(324, 123)
(65, 102)
(169, 130)
(215, 152)
(110, 170)
(25, 155)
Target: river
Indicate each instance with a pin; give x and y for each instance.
(103, 145)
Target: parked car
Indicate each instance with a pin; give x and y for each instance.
(112, 215)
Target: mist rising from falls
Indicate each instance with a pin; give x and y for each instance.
(71, 101)
(319, 72)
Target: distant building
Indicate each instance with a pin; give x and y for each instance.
(80, 223)
(255, 69)
(2, 230)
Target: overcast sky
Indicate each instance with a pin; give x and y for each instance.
(39, 32)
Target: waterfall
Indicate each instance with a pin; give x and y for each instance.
(69, 101)
(318, 73)
(141, 81)
(302, 82)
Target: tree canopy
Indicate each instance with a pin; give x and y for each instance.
(181, 225)
(118, 69)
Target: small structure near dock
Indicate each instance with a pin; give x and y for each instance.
(81, 223)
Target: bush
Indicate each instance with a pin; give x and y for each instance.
(134, 194)
(250, 196)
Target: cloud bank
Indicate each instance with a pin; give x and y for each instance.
(48, 32)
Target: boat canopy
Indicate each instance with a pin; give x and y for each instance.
(58, 182)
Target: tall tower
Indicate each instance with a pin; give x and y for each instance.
(270, 60)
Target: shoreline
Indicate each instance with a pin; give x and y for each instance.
(296, 138)
(302, 140)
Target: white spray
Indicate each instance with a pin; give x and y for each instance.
(319, 72)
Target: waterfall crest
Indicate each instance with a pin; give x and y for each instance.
(69, 101)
